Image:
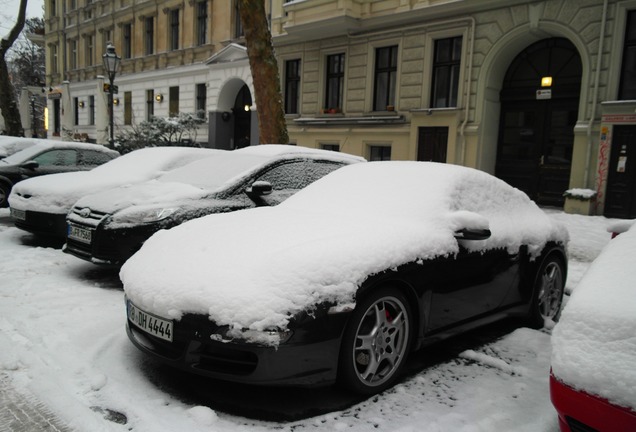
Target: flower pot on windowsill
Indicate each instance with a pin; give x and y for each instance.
(331, 110)
(390, 108)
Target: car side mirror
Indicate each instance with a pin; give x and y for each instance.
(259, 188)
(30, 165)
(472, 234)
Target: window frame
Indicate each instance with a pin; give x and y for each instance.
(175, 29)
(150, 104)
(149, 35)
(627, 74)
(452, 89)
(336, 78)
(382, 102)
(292, 86)
(202, 18)
(127, 36)
(201, 96)
(173, 101)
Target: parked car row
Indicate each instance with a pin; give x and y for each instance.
(333, 270)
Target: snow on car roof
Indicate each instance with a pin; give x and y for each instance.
(42, 144)
(594, 343)
(252, 269)
(203, 177)
(56, 193)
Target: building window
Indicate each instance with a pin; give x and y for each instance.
(54, 66)
(331, 147)
(90, 50)
(53, 4)
(385, 76)
(238, 25)
(127, 108)
(72, 4)
(446, 63)
(292, 86)
(201, 96)
(174, 102)
(379, 153)
(334, 82)
(149, 35)
(174, 29)
(73, 54)
(202, 22)
(75, 111)
(127, 40)
(150, 104)
(627, 86)
(91, 110)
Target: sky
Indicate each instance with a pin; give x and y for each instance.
(9, 13)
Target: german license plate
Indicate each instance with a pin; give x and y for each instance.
(150, 323)
(18, 214)
(80, 234)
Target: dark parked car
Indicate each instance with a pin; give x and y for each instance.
(49, 157)
(40, 205)
(344, 279)
(593, 378)
(108, 227)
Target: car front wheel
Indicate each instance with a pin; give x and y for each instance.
(376, 342)
(548, 292)
(5, 189)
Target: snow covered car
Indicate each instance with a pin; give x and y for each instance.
(593, 379)
(341, 281)
(40, 205)
(10, 144)
(108, 227)
(49, 157)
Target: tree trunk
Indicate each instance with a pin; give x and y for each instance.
(8, 106)
(264, 68)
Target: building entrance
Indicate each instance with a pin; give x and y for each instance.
(620, 196)
(536, 130)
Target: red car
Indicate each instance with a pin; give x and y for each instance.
(593, 378)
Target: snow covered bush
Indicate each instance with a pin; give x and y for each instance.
(159, 131)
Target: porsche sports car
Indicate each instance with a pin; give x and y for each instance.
(49, 157)
(593, 378)
(344, 279)
(108, 227)
(40, 205)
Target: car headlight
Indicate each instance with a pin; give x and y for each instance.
(135, 216)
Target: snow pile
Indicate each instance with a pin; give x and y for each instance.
(10, 145)
(594, 344)
(56, 193)
(254, 269)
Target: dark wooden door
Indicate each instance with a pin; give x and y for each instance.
(620, 197)
(432, 144)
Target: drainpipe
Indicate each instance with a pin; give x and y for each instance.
(468, 83)
(595, 96)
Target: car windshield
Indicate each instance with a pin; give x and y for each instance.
(215, 172)
(24, 155)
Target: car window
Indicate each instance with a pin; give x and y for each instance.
(93, 158)
(61, 157)
(297, 174)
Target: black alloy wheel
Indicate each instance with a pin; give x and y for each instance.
(376, 342)
(548, 292)
(5, 190)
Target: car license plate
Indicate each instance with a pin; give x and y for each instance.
(18, 214)
(80, 234)
(150, 323)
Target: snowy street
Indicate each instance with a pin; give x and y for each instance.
(63, 346)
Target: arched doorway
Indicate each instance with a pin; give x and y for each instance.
(243, 118)
(536, 129)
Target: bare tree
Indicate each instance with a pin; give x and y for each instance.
(8, 106)
(264, 68)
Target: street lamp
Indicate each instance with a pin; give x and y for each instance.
(111, 64)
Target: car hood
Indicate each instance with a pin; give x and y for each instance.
(254, 269)
(149, 193)
(56, 193)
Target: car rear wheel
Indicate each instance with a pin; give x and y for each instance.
(548, 292)
(376, 342)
